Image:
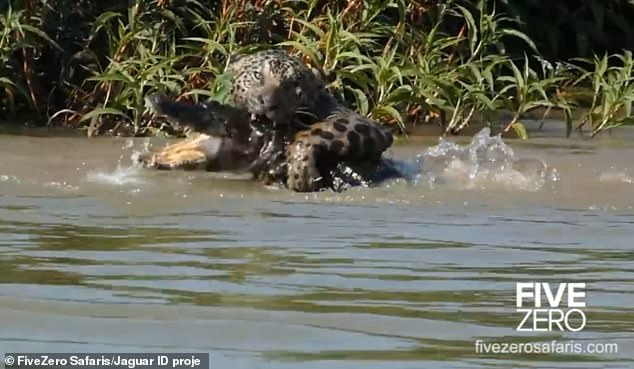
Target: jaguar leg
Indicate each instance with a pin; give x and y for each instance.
(314, 153)
(303, 175)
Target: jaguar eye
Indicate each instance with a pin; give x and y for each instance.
(257, 75)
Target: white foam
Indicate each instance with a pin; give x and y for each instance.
(62, 185)
(485, 163)
(613, 176)
(121, 176)
(9, 178)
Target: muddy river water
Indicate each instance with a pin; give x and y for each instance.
(97, 255)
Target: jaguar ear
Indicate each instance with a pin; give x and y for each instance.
(323, 76)
(233, 62)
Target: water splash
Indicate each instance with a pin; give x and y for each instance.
(9, 178)
(614, 176)
(121, 176)
(485, 163)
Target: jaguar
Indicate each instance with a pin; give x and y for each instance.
(305, 133)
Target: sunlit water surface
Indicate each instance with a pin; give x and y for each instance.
(99, 256)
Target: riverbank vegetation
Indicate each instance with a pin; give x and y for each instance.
(88, 63)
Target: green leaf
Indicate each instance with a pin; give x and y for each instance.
(102, 111)
(197, 92)
(520, 130)
(42, 35)
(113, 76)
(319, 33)
(389, 111)
(361, 101)
(16, 86)
(522, 36)
(472, 28)
(6, 81)
(311, 53)
(178, 22)
(103, 19)
(211, 44)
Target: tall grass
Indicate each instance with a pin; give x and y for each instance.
(398, 61)
(611, 87)
(19, 37)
